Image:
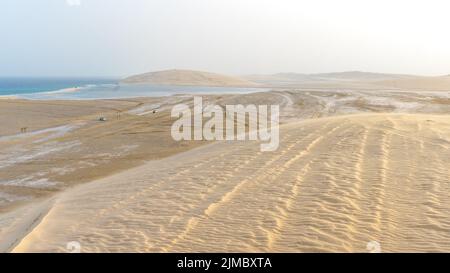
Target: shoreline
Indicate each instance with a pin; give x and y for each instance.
(22, 96)
(131, 91)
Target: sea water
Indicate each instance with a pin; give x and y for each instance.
(84, 88)
(17, 86)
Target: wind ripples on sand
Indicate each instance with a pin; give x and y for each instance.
(335, 184)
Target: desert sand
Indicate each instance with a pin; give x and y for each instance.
(353, 167)
(334, 185)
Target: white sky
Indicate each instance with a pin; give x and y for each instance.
(122, 37)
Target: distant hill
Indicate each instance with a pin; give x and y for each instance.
(353, 79)
(441, 83)
(360, 76)
(338, 80)
(188, 77)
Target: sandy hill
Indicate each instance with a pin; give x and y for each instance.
(188, 77)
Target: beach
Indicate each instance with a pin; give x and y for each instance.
(353, 167)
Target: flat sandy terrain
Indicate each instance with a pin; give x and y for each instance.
(353, 167)
(65, 144)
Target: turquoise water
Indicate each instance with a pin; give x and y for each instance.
(76, 89)
(17, 86)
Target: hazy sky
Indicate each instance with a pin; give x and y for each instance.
(122, 37)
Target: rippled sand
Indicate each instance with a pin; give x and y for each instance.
(335, 184)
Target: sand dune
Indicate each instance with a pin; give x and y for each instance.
(355, 80)
(348, 79)
(188, 77)
(344, 76)
(335, 184)
(419, 83)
